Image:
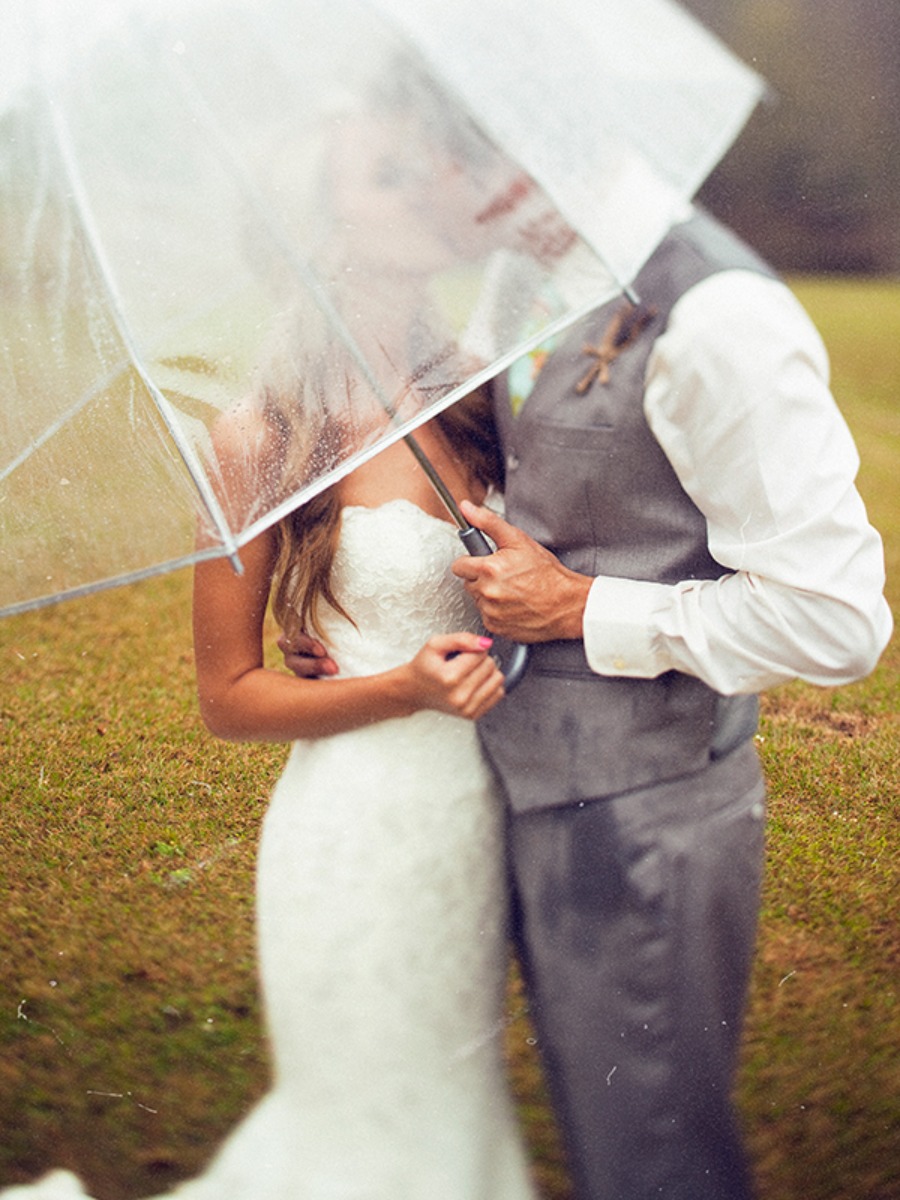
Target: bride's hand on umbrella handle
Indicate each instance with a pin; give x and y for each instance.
(305, 656)
(454, 673)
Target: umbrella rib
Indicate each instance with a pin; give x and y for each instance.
(107, 275)
(124, 579)
(54, 427)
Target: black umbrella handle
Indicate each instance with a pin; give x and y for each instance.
(512, 656)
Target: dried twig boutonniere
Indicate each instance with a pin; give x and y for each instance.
(625, 328)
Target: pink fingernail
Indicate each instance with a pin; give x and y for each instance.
(485, 643)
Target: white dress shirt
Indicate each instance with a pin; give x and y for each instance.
(737, 394)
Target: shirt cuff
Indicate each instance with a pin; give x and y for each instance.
(619, 627)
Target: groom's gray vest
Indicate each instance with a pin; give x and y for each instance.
(586, 478)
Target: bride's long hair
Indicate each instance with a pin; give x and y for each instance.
(307, 537)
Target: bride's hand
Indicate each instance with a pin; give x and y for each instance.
(454, 673)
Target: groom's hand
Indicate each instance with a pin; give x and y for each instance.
(306, 657)
(524, 593)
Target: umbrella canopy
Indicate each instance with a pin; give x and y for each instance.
(304, 229)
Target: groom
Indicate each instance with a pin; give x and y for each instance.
(682, 532)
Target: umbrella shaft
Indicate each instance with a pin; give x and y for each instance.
(436, 482)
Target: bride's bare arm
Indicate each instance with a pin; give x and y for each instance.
(242, 700)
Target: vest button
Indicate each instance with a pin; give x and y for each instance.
(512, 461)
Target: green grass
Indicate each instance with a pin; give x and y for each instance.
(129, 1019)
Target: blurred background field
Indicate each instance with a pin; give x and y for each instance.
(129, 1018)
(814, 180)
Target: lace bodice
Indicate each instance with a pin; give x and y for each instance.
(392, 574)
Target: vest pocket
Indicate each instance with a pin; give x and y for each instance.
(553, 486)
(581, 438)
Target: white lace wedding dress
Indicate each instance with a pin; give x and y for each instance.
(381, 928)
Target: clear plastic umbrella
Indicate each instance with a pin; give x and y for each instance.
(313, 224)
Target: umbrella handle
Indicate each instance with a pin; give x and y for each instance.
(514, 655)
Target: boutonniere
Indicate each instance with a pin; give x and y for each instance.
(624, 329)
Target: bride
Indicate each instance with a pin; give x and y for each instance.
(381, 891)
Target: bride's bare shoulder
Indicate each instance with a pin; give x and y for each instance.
(243, 429)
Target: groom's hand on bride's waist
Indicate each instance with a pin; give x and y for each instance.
(306, 657)
(524, 593)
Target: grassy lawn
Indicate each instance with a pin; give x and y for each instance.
(129, 1019)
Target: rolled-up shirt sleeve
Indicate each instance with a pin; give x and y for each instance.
(737, 394)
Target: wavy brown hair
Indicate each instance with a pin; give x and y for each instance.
(307, 537)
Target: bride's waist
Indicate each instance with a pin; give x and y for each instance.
(421, 736)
